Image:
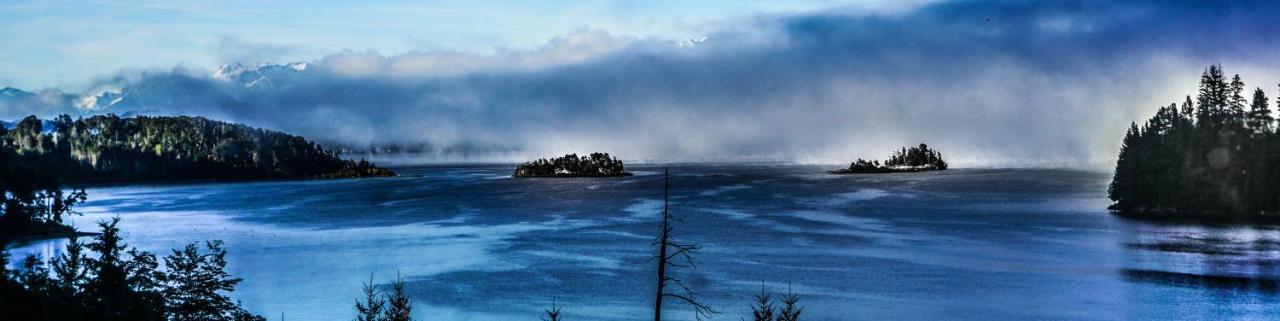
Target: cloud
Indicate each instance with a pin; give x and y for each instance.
(990, 83)
(238, 50)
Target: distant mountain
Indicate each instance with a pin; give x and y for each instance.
(14, 93)
(173, 93)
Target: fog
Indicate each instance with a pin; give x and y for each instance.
(989, 83)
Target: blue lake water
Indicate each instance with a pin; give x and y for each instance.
(473, 244)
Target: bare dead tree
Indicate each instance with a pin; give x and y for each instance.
(669, 251)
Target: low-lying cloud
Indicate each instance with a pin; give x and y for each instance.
(990, 83)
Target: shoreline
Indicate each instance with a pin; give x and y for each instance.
(1197, 217)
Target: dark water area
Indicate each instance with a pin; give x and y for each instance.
(474, 244)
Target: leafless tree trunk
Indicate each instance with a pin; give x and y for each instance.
(668, 250)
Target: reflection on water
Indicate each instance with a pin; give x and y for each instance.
(477, 245)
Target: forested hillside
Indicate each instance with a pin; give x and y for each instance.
(1216, 155)
(111, 148)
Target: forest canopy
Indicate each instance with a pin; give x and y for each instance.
(1214, 155)
(594, 165)
(108, 148)
(915, 159)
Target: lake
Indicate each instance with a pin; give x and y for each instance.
(474, 244)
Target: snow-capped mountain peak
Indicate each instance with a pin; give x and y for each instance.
(258, 75)
(101, 101)
(299, 66)
(229, 71)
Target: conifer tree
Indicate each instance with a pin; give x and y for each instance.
(371, 308)
(1260, 121)
(399, 307)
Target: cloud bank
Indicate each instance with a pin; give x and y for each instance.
(990, 83)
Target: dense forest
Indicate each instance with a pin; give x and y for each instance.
(595, 165)
(109, 148)
(1215, 156)
(915, 159)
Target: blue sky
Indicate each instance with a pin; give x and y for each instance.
(64, 44)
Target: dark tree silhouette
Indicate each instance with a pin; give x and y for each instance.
(377, 306)
(399, 307)
(790, 310)
(764, 310)
(673, 254)
(115, 282)
(1211, 158)
(371, 308)
(197, 281)
(553, 314)
(595, 165)
(915, 159)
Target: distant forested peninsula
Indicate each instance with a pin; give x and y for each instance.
(915, 159)
(108, 148)
(594, 165)
(1216, 156)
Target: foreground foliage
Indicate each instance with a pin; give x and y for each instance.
(394, 306)
(1216, 157)
(915, 159)
(111, 281)
(594, 165)
(108, 148)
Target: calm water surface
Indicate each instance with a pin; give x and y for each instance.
(476, 245)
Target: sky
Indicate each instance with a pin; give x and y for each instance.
(990, 83)
(66, 43)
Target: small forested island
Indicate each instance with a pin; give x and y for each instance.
(594, 165)
(915, 159)
(108, 148)
(1214, 157)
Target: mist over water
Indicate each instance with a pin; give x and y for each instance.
(990, 83)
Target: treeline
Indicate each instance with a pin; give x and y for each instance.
(915, 159)
(108, 148)
(1216, 155)
(106, 280)
(594, 165)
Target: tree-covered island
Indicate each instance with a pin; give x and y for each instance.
(914, 159)
(1215, 156)
(594, 165)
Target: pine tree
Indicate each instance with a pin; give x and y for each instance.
(763, 309)
(371, 308)
(1236, 102)
(1260, 121)
(1213, 96)
(399, 307)
(790, 308)
(1121, 190)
